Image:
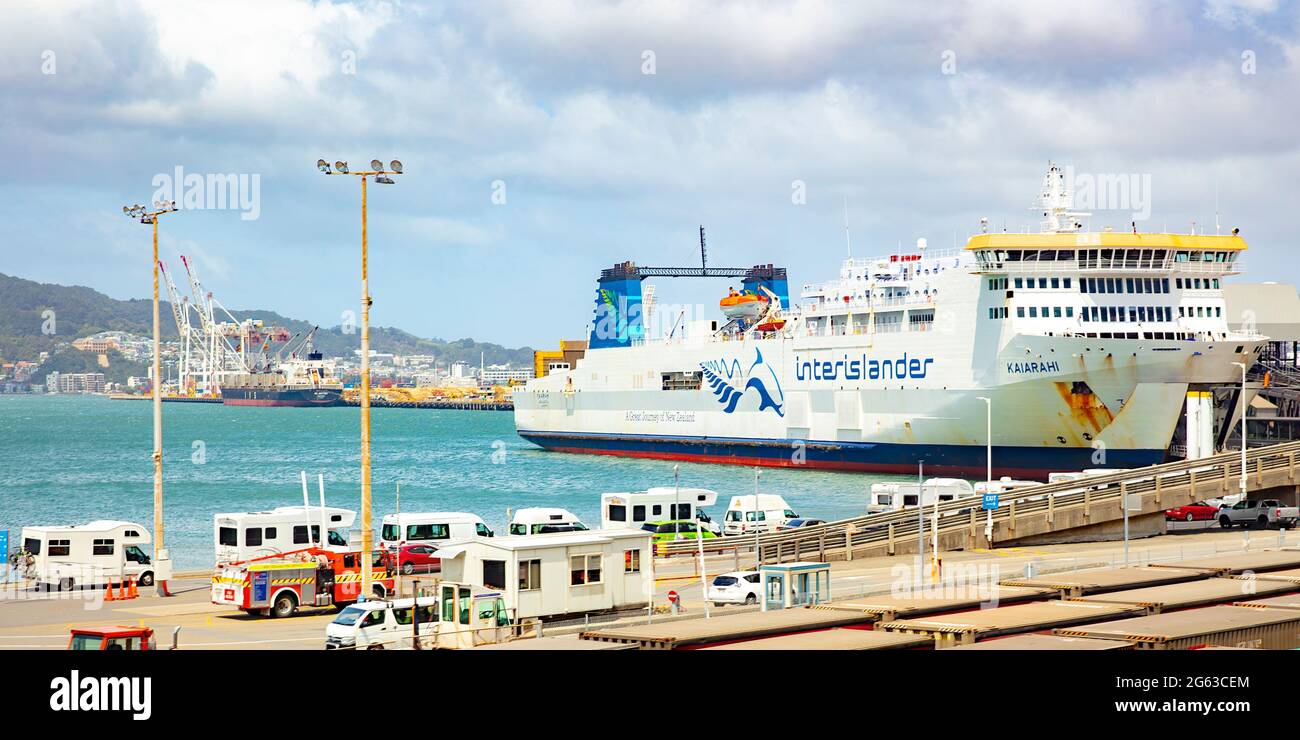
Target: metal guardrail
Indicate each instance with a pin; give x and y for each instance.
(900, 526)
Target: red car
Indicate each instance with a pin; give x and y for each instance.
(1199, 511)
(417, 558)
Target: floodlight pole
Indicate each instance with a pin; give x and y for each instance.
(367, 543)
(367, 535)
(146, 216)
(157, 418)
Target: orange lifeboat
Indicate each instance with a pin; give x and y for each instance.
(771, 325)
(743, 306)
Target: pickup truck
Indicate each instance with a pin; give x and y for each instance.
(1265, 513)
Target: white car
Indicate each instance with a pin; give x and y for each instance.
(739, 587)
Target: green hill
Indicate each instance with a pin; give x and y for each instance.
(79, 311)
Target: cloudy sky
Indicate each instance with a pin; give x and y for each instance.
(545, 140)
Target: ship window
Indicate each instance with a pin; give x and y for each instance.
(1042, 283)
(682, 381)
(1056, 312)
(1218, 312)
(253, 536)
(1067, 283)
(1216, 283)
(1019, 283)
(1020, 312)
(1069, 312)
(1129, 283)
(1033, 312)
(1056, 283)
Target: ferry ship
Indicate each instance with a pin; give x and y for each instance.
(1082, 347)
(305, 381)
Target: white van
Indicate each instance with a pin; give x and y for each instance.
(242, 536)
(659, 504)
(762, 512)
(538, 520)
(432, 527)
(375, 625)
(461, 616)
(897, 495)
(91, 554)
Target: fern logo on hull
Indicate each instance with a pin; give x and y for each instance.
(729, 382)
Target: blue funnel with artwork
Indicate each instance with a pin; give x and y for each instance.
(618, 316)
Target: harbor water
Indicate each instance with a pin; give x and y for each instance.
(73, 459)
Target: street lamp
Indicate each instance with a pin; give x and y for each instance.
(988, 463)
(381, 176)
(1242, 484)
(146, 216)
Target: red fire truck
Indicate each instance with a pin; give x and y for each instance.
(278, 585)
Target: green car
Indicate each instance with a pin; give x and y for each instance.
(678, 529)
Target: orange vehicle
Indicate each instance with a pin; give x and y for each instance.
(111, 638)
(278, 585)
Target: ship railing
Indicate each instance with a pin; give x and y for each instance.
(1130, 266)
(1206, 477)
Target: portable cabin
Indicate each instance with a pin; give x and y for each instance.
(550, 576)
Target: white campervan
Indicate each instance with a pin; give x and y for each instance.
(432, 527)
(893, 496)
(659, 504)
(539, 520)
(89, 554)
(762, 512)
(246, 535)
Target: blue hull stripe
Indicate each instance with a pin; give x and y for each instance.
(965, 460)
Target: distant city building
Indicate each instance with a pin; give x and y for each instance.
(460, 370)
(80, 382)
(52, 382)
(497, 375)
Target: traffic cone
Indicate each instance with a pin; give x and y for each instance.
(108, 592)
(131, 591)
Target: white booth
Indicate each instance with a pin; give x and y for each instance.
(787, 585)
(553, 575)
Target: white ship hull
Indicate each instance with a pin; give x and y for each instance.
(880, 423)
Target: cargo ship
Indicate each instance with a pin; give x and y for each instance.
(307, 381)
(1079, 349)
